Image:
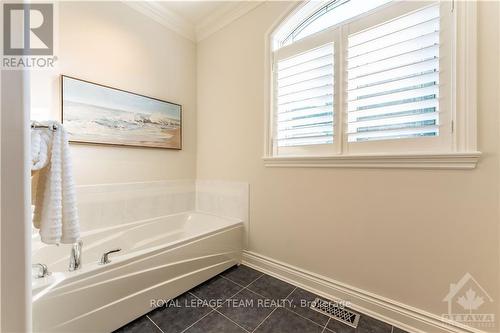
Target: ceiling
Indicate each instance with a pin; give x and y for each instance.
(195, 20)
(193, 11)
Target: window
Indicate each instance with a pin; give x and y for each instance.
(305, 98)
(356, 78)
(393, 79)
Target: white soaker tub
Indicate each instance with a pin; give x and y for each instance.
(160, 258)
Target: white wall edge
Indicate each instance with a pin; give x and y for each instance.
(110, 187)
(467, 160)
(15, 297)
(401, 315)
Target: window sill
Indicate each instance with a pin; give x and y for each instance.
(466, 160)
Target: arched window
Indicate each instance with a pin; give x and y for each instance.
(317, 16)
(363, 77)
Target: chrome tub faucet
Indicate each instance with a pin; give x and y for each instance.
(75, 258)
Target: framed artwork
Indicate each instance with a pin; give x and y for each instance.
(94, 113)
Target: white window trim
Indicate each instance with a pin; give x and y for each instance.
(464, 154)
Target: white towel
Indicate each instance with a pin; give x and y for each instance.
(56, 212)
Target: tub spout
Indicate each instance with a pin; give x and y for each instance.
(75, 259)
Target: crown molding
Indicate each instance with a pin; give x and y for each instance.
(227, 12)
(224, 15)
(165, 17)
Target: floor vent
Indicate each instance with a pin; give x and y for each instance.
(336, 311)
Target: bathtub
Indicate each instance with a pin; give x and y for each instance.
(160, 258)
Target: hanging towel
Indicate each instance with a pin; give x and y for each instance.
(53, 188)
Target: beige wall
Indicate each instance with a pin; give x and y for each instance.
(111, 44)
(402, 234)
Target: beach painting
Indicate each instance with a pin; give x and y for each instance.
(93, 113)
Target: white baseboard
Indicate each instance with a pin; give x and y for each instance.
(390, 311)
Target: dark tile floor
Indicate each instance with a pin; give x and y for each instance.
(244, 300)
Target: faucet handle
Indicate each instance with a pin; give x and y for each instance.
(104, 258)
(42, 270)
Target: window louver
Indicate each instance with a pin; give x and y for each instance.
(393, 79)
(305, 98)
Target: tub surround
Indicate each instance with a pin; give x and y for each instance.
(224, 198)
(113, 204)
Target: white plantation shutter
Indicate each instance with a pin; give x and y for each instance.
(393, 79)
(381, 81)
(304, 90)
